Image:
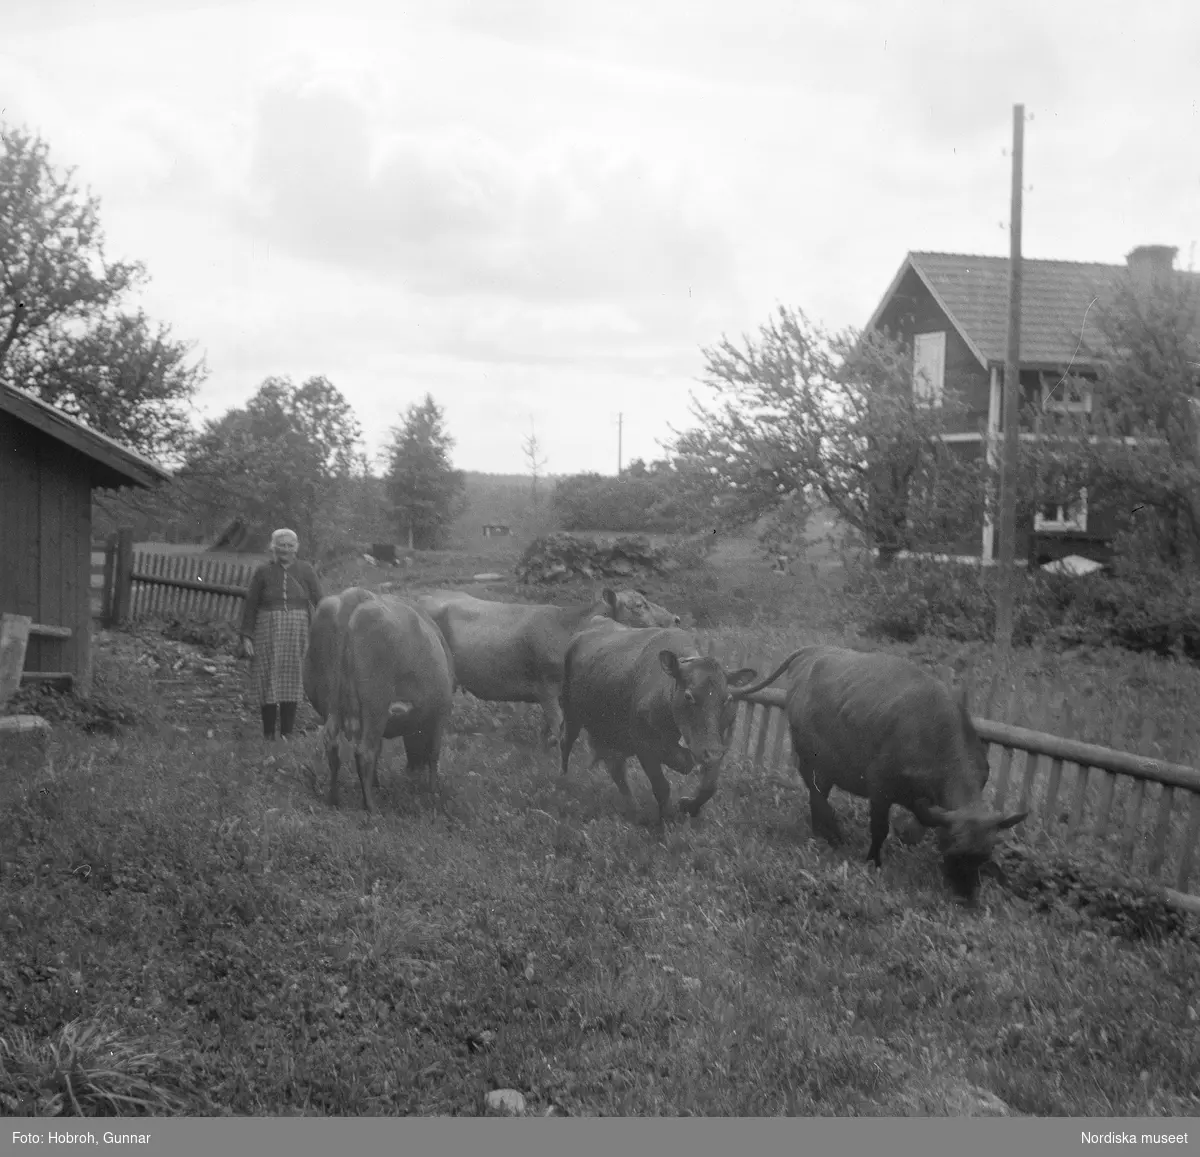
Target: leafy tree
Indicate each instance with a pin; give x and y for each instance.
(644, 498)
(426, 492)
(1141, 440)
(62, 334)
(289, 457)
(800, 411)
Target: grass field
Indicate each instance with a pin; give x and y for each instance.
(189, 928)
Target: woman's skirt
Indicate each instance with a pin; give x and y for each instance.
(280, 640)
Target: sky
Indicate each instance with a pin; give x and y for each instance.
(542, 211)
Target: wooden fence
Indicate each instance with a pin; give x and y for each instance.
(1139, 812)
(136, 584)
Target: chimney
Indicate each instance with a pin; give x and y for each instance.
(1149, 263)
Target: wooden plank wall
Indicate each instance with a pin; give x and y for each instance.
(45, 541)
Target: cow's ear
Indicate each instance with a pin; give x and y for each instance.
(741, 677)
(670, 663)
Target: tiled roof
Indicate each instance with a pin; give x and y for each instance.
(1057, 299)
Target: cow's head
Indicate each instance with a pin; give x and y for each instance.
(978, 769)
(704, 712)
(633, 609)
(966, 837)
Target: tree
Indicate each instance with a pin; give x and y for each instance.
(536, 462)
(289, 457)
(1141, 439)
(62, 334)
(426, 492)
(800, 411)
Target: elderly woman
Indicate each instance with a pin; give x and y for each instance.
(279, 604)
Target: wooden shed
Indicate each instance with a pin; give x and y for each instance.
(49, 466)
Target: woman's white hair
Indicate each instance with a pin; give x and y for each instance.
(277, 536)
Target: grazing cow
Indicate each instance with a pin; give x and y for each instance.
(322, 659)
(647, 692)
(395, 679)
(513, 652)
(880, 727)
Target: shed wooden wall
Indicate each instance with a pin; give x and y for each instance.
(45, 544)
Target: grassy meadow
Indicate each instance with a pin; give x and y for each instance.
(189, 928)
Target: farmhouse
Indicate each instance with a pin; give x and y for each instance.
(49, 466)
(954, 309)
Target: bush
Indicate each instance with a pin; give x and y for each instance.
(1142, 605)
(916, 597)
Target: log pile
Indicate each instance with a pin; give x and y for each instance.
(560, 557)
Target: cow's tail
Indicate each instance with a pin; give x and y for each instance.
(750, 688)
(348, 701)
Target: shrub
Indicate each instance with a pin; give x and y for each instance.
(1141, 605)
(916, 597)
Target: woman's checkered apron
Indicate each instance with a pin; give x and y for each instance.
(280, 640)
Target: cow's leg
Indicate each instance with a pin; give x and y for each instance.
(423, 752)
(329, 736)
(433, 756)
(615, 766)
(571, 730)
(552, 728)
(824, 818)
(662, 790)
(366, 759)
(880, 813)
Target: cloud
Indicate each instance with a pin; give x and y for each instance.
(449, 214)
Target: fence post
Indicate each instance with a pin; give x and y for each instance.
(106, 592)
(123, 576)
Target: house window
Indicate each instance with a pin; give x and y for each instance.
(929, 367)
(1062, 395)
(1051, 516)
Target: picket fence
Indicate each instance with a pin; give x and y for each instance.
(1139, 812)
(193, 585)
(136, 584)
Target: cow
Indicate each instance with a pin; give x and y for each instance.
(323, 656)
(881, 727)
(648, 692)
(395, 679)
(513, 652)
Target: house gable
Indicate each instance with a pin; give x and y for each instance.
(912, 308)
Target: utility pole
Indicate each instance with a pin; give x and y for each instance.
(619, 421)
(1012, 395)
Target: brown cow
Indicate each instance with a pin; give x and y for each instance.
(395, 679)
(648, 692)
(513, 652)
(881, 727)
(323, 656)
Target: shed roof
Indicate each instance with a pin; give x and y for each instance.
(114, 465)
(1056, 302)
